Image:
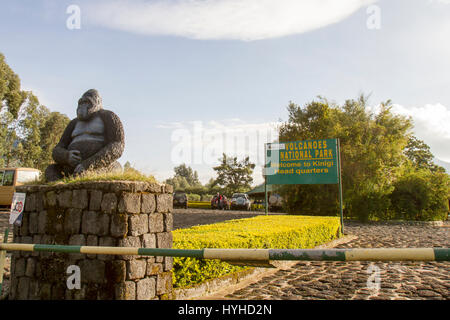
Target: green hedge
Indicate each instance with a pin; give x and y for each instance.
(264, 232)
(199, 204)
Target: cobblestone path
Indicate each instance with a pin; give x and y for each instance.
(358, 280)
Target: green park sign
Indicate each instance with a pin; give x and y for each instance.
(303, 162)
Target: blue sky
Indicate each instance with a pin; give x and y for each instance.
(225, 67)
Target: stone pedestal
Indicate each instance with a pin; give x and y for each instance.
(115, 213)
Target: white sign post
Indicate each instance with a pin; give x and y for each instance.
(17, 206)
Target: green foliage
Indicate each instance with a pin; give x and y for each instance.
(28, 130)
(262, 232)
(186, 179)
(193, 197)
(420, 155)
(233, 175)
(376, 152)
(371, 153)
(421, 195)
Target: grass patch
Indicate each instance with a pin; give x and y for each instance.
(262, 232)
(125, 175)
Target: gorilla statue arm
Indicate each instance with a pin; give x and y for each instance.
(114, 143)
(60, 153)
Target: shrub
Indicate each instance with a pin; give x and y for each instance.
(264, 232)
(421, 195)
(193, 197)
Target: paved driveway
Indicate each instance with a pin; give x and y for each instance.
(364, 280)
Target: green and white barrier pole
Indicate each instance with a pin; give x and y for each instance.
(371, 254)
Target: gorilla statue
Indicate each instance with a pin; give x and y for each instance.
(94, 140)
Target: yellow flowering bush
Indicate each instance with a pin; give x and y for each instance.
(262, 232)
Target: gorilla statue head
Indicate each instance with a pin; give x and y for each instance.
(89, 103)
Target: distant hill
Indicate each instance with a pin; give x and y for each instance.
(444, 164)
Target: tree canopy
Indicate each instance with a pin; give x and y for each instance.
(372, 151)
(233, 175)
(28, 130)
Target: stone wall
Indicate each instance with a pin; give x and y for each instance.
(117, 213)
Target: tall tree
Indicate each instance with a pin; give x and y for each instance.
(420, 155)
(188, 173)
(371, 152)
(28, 130)
(233, 175)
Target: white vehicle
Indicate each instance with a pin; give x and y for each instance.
(241, 201)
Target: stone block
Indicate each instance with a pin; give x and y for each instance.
(30, 202)
(33, 225)
(77, 240)
(146, 289)
(164, 240)
(25, 222)
(109, 203)
(23, 288)
(168, 188)
(129, 242)
(72, 221)
(106, 242)
(138, 224)
(129, 203)
(164, 203)
(92, 240)
(26, 240)
(136, 269)
(19, 267)
(37, 238)
(116, 271)
(95, 223)
(92, 271)
(155, 222)
(168, 222)
(30, 268)
(95, 200)
(149, 240)
(42, 222)
(168, 263)
(119, 225)
(164, 283)
(148, 203)
(64, 199)
(153, 268)
(34, 290)
(80, 199)
(89, 222)
(126, 290)
(45, 291)
(50, 199)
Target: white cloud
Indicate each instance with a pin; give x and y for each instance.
(221, 19)
(432, 125)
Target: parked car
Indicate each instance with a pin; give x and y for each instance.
(180, 199)
(12, 177)
(275, 202)
(223, 204)
(240, 201)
